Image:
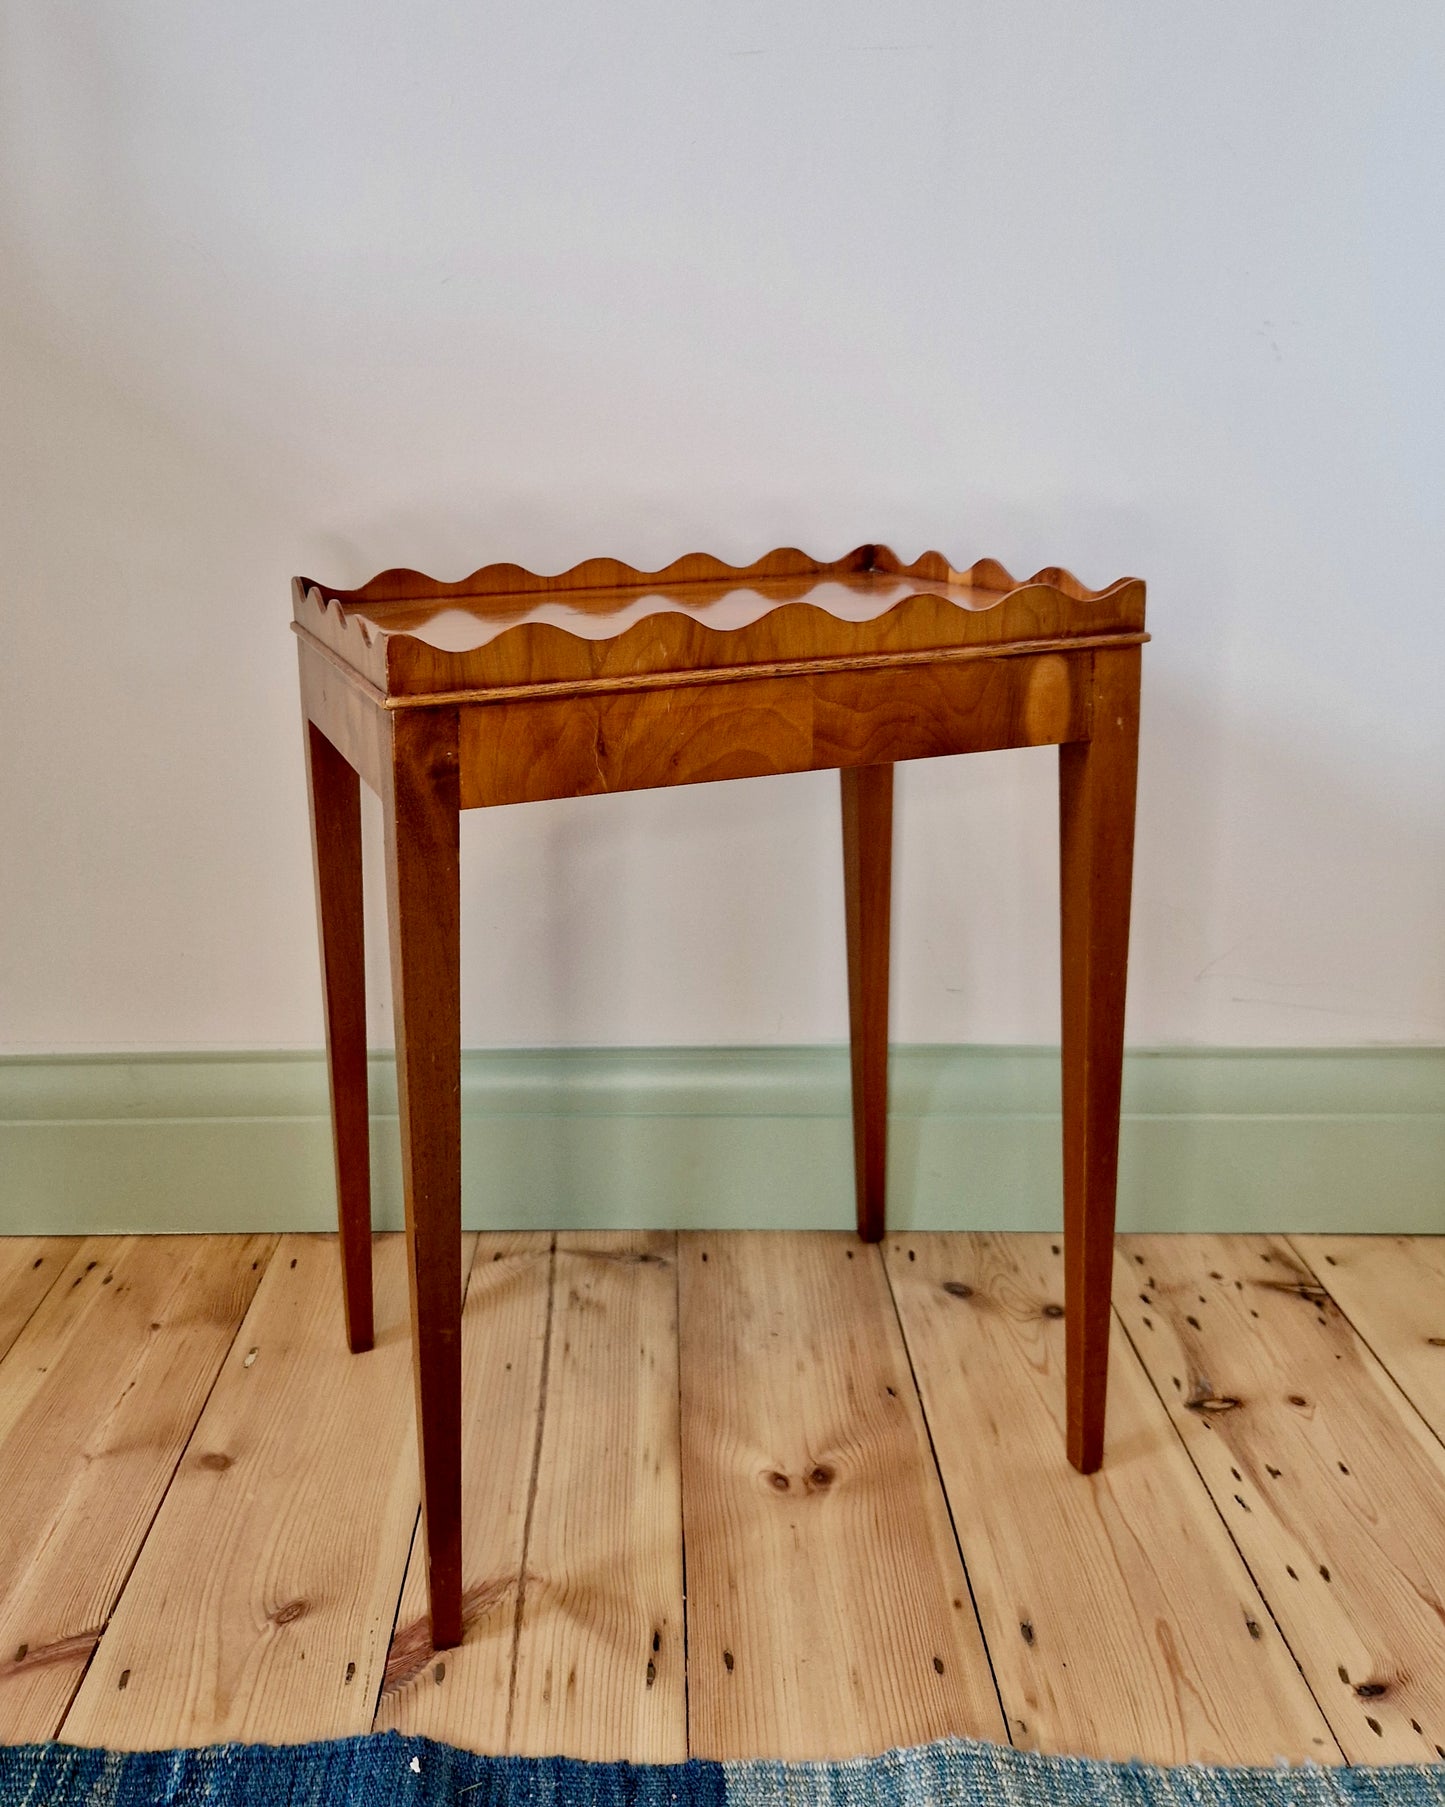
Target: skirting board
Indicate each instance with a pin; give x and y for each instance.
(732, 1138)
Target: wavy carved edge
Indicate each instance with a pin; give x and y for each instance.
(404, 584)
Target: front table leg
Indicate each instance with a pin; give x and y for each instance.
(1096, 844)
(420, 805)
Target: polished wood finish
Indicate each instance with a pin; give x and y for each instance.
(1119, 1619)
(421, 812)
(509, 687)
(412, 638)
(588, 744)
(1096, 838)
(347, 714)
(867, 793)
(336, 852)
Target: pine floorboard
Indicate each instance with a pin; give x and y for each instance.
(828, 1611)
(99, 1395)
(1330, 1482)
(29, 1267)
(263, 1602)
(599, 1666)
(1128, 1573)
(732, 1495)
(464, 1695)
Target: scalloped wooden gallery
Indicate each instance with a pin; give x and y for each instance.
(508, 687)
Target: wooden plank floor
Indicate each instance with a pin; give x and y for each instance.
(734, 1495)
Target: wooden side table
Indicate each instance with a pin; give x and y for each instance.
(509, 687)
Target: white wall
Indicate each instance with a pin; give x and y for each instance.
(335, 286)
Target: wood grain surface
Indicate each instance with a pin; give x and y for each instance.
(600, 1652)
(409, 635)
(423, 896)
(1330, 1483)
(29, 1267)
(1096, 868)
(576, 746)
(98, 1396)
(1392, 1289)
(828, 1612)
(462, 1696)
(1127, 1573)
(1266, 1529)
(263, 1603)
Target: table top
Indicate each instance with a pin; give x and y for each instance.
(605, 624)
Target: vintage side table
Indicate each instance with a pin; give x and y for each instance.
(508, 687)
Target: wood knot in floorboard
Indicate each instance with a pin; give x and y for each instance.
(76, 1648)
(816, 1478)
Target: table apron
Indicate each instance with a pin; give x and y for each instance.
(354, 722)
(584, 745)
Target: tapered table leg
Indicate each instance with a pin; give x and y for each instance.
(867, 881)
(335, 794)
(420, 805)
(1096, 821)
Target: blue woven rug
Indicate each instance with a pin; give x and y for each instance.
(387, 1770)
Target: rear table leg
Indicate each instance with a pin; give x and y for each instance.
(867, 881)
(335, 794)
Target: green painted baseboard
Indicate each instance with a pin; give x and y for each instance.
(732, 1138)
